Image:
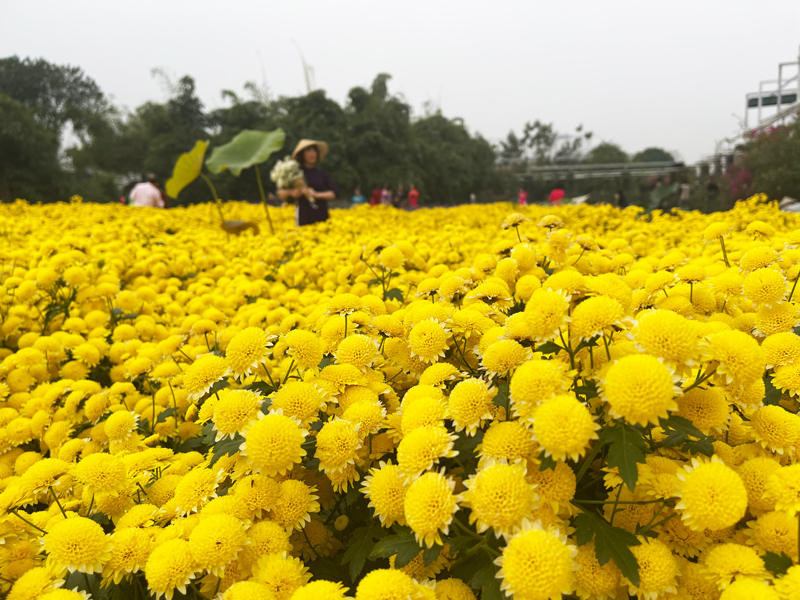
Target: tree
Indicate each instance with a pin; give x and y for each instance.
(606, 153)
(772, 157)
(57, 94)
(653, 155)
(29, 165)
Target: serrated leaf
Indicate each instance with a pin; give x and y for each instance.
(547, 462)
(624, 451)
(325, 568)
(394, 294)
(483, 576)
(777, 564)
(164, 415)
(431, 554)
(225, 448)
(457, 544)
(772, 395)
(501, 399)
(404, 545)
(465, 445)
(610, 543)
(359, 547)
(492, 591)
(262, 387)
(681, 431)
(549, 348)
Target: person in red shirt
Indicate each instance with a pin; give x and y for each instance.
(413, 197)
(522, 197)
(375, 197)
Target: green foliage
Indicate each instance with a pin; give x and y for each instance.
(772, 157)
(404, 545)
(652, 155)
(625, 450)
(247, 149)
(28, 155)
(606, 153)
(610, 543)
(772, 395)
(777, 564)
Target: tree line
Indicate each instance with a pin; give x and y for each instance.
(61, 135)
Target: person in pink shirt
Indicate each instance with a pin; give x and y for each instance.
(147, 194)
(523, 197)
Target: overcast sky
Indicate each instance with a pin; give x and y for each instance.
(639, 73)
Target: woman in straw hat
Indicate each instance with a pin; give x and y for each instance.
(320, 186)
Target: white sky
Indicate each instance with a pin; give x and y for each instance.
(640, 73)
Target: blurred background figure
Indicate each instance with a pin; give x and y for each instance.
(522, 197)
(148, 193)
(413, 198)
(556, 195)
(619, 197)
(399, 197)
(473, 198)
(386, 195)
(358, 197)
(375, 197)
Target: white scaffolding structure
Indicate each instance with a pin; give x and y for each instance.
(782, 93)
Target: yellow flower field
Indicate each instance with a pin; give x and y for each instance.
(447, 404)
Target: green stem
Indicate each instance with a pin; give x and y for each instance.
(700, 380)
(291, 366)
(467, 530)
(724, 254)
(588, 462)
(345, 324)
(14, 512)
(89, 587)
(516, 228)
(266, 208)
(654, 525)
(50, 488)
(214, 193)
(605, 343)
(196, 591)
(617, 501)
(91, 504)
(616, 505)
(794, 285)
(649, 525)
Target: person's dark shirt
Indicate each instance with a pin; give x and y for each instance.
(319, 181)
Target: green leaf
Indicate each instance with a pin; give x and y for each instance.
(325, 568)
(465, 445)
(404, 545)
(186, 169)
(209, 433)
(547, 462)
(462, 542)
(609, 543)
(359, 547)
(502, 395)
(247, 149)
(492, 591)
(262, 387)
(588, 390)
(224, 448)
(772, 394)
(681, 431)
(777, 564)
(467, 566)
(326, 361)
(393, 294)
(164, 415)
(549, 348)
(431, 554)
(483, 576)
(624, 451)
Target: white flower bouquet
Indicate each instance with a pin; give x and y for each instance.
(287, 174)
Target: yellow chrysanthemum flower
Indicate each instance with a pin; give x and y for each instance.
(639, 389)
(470, 404)
(499, 497)
(338, 443)
(712, 496)
(274, 444)
(170, 568)
(429, 506)
(235, 412)
(657, 569)
(726, 562)
(537, 564)
(203, 373)
(422, 448)
(564, 427)
(386, 584)
(246, 350)
(77, 544)
(428, 340)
